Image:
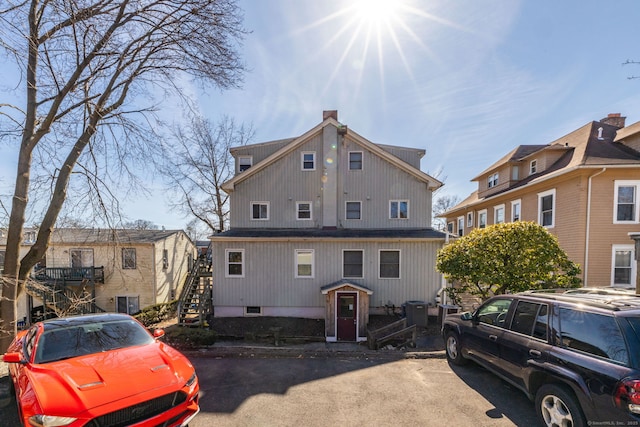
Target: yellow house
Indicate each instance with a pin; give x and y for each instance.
(120, 270)
(583, 187)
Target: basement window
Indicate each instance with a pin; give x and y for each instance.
(253, 311)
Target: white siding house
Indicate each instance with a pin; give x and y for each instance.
(327, 225)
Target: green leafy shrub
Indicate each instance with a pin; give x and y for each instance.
(186, 338)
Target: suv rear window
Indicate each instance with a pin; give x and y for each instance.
(593, 333)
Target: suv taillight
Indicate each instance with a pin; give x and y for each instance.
(627, 395)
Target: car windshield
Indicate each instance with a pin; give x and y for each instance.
(73, 341)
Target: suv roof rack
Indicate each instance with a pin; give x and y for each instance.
(611, 302)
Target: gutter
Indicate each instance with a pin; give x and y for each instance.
(585, 273)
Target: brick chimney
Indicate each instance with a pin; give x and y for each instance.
(330, 113)
(614, 119)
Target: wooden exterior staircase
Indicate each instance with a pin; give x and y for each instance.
(195, 304)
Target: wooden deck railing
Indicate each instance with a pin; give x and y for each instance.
(71, 274)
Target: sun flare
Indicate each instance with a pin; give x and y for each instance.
(376, 12)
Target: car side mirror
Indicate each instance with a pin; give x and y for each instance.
(158, 333)
(466, 316)
(13, 358)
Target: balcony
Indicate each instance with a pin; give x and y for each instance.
(70, 275)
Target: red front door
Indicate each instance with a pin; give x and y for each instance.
(346, 316)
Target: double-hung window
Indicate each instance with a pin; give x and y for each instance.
(626, 202)
(493, 180)
(398, 209)
(303, 210)
(623, 266)
(460, 226)
(234, 260)
(260, 210)
(389, 264)
(355, 160)
(309, 160)
(498, 214)
(469, 219)
(546, 208)
(482, 219)
(244, 163)
(515, 210)
(352, 264)
(353, 210)
(304, 263)
(533, 167)
(129, 258)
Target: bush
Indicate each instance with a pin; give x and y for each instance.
(157, 313)
(186, 338)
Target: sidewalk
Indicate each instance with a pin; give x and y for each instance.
(427, 346)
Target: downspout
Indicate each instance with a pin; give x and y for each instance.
(588, 230)
(154, 276)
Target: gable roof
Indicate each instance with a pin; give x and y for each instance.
(344, 283)
(585, 147)
(294, 143)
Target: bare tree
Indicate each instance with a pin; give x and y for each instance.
(141, 224)
(201, 164)
(441, 205)
(92, 74)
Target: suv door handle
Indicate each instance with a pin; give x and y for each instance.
(493, 337)
(535, 353)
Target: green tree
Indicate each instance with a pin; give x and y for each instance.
(513, 257)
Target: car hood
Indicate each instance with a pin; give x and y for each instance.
(97, 379)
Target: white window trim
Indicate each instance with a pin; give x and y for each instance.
(553, 207)
(493, 180)
(313, 153)
(626, 183)
(298, 211)
(399, 202)
(469, 219)
(634, 265)
(460, 221)
(513, 203)
(380, 263)
(361, 160)
(226, 264)
(450, 227)
(259, 203)
(250, 158)
(533, 166)
(483, 211)
(345, 210)
(313, 259)
(495, 214)
(363, 263)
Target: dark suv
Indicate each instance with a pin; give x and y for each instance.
(576, 355)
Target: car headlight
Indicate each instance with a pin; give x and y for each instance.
(50, 421)
(191, 380)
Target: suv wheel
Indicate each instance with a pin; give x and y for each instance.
(454, 351)
(556, 406)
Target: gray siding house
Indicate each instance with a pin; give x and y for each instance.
(327, 225)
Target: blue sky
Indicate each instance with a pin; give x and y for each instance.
(466, 80)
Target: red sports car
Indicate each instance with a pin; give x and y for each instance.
(98, 371)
